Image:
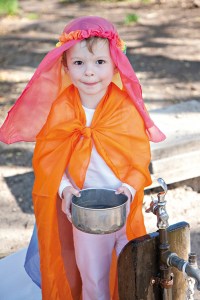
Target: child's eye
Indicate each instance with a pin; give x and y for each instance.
(78, 62)
(101, 61)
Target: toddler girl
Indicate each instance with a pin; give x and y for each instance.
(92, 131)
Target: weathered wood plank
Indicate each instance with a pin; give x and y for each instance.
(178, 167)
(178, 157)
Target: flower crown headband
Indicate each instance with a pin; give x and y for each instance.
(84, 34)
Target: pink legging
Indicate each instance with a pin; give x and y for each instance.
(93, 256)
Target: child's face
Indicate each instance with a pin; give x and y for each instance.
(90, 72)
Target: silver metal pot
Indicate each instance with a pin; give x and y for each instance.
(99, 211)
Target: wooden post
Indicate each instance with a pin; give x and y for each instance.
(138, 265)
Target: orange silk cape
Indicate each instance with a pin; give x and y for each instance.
(118, 133)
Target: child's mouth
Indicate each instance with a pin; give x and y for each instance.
(90, 83)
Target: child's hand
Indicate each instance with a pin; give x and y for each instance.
(68, 192)
(124, 190)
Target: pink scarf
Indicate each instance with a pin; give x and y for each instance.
(29, 113)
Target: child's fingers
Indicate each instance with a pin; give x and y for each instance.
(69, 191)
(66, 203)
(75, 192)
(69, 216)
(66, 208)
(120, 190)
(123, 190)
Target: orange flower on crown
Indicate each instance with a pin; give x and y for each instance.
(82, 34)
(121, 45)
(73, 35)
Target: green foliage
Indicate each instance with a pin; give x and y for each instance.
(140, 1)
(131, 18)
(145, 1)
(33, 16)
(70, 1)
(8, 7)
(74, 1)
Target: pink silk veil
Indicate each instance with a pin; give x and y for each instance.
(29, 113)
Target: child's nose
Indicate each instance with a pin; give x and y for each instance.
(89, 71)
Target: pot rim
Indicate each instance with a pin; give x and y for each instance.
(100, 209)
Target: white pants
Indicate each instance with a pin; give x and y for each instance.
(93, 256)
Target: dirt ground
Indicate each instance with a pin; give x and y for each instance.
(164, 49)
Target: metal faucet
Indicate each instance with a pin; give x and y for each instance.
(167, 258)
(192, 270)
(158, 206)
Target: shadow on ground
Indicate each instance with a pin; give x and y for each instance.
(21, 187)
(10, 156)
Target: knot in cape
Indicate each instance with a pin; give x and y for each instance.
(86, 132)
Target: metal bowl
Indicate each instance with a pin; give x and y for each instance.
(99, 211)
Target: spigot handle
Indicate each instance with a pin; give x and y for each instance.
(162, 194)
(152, 205)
